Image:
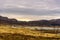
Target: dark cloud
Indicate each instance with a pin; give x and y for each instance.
(27, 11)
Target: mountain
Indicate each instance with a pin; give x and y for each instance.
(8, 21)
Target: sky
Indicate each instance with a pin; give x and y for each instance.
(27, 10)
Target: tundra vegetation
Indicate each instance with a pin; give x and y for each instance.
(9, 33)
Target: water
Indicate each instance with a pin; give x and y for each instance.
(45, 28)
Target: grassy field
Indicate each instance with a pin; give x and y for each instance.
(8, 33)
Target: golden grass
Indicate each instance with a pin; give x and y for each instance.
(26, 31)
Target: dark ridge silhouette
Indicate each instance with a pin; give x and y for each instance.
(7, 21)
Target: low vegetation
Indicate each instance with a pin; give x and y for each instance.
(8, 33)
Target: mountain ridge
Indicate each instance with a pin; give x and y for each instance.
(12, 21)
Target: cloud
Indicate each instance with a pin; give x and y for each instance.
(35, 4)
(27, 11)
(31, 7)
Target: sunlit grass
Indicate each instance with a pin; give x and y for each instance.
(26, 32)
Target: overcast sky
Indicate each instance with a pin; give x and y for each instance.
(30, 9)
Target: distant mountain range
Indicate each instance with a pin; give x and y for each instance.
(7, 21)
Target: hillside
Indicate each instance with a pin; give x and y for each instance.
(15, 22)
